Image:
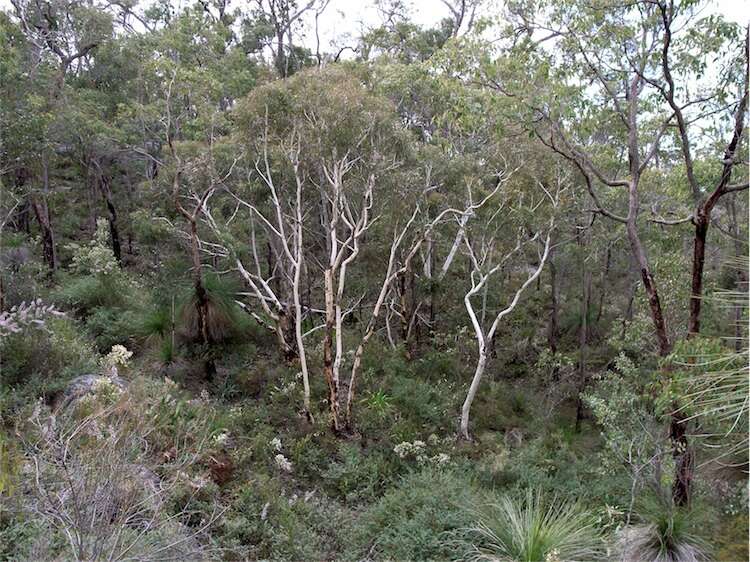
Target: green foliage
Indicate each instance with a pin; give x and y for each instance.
(668, 532)
(530, 529)
(632, 430)
(39, 361)
(360, 475)
(225, 320)
(267, 522)
(433, 116)
(412, 521)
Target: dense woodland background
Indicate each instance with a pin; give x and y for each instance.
(476, 291)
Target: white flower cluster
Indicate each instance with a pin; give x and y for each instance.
(222, 438)
(275, 444)
(283, 463)
(288, 388)
(96, 258)
(119, 355)
(32, 315)
(440, 459)
(417, 450)
(406, 449)
(104, 385)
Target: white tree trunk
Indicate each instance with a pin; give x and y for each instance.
(475, 382)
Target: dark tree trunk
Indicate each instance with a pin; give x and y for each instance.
(740, 252)
(111, 218)
(22, 221)
(553, 331)
(603, 283)
(287, 338)
(281, 62)
(584, 329)
(44, 219)
(683, 458)
(201, 300)
(654, 303)
(699, 259)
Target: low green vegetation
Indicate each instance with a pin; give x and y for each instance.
(454, 290)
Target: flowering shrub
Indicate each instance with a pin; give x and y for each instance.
(23, 316)
(222, 438)
(405, 450)
(417, 450)
(119, 356)
(96, 258)
(283, 463)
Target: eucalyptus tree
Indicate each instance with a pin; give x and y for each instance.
(689, 44)
(277, 25)
(183, 111)
(581, 76)
(324, 151)
(490, 252)
(63, 35)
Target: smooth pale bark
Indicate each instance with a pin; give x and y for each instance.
(343, 234)
(483, 338)
(328, 372)
(393, 274)
(298, 262)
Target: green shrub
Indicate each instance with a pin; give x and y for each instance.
(266, 522)
(412, 521)
(111, 326)
(40, 359)
(501, 407)
(360, 475)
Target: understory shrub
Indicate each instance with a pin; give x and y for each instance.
(41, 357)
(413, 520)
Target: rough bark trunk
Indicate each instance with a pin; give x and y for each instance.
(280, 62)
(44, 219)
(654, 303)
(740, 252)
(699, 259)
(603, 283)
(583, 335)
(285, 334)
(683, 457)
(111, 218)
(553, 331)
(201, 300)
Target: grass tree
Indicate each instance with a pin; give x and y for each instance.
(532, 528)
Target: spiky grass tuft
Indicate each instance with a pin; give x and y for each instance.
(533, 528)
